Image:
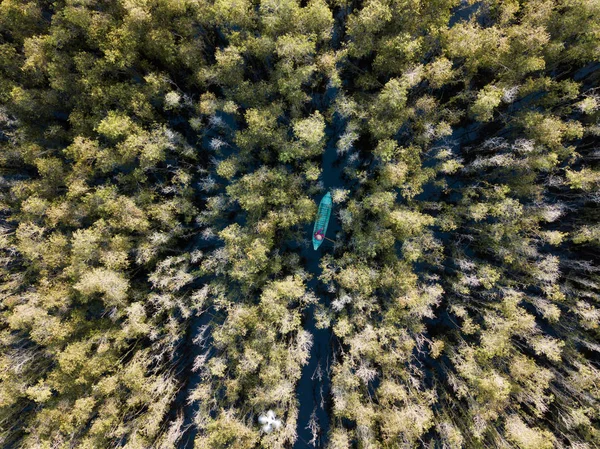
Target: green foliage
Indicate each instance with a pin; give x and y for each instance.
(115, 126)
(584, 179)
(160, 162)
(525, 437)
(227, 432)
(488, 98)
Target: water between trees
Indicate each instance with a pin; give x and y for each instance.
(313, 390)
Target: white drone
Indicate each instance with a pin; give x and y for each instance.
(269, 422)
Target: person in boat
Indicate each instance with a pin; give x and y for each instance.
(319, 235)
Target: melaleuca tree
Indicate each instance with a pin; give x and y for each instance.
(159, 165)
(92, 222)
(265, 71)
(503, 283)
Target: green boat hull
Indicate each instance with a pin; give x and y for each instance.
(322, 219)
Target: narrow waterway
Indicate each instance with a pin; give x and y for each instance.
(314, 387)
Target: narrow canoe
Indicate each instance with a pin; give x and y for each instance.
(322, 219)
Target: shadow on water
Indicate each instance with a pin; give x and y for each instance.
(197, 342)
(200, 331)
(314, 387)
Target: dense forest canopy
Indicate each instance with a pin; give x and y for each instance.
(161, 162)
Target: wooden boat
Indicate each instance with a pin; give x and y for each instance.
(322, 220)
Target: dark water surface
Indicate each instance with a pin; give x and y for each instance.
(314, 387)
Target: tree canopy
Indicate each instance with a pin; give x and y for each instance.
(160, 162)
